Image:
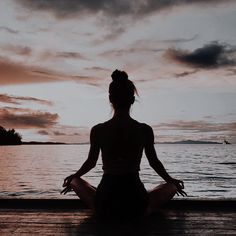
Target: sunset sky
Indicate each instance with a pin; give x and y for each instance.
(56, 58)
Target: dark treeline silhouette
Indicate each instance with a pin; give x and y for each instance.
(9, 137)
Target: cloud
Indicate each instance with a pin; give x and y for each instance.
(195, 130)
(146, 46)
(27, 51)
(97, 69)
(58, 133)
(198, 126)
(16, 109)
(88, 79)
(25, 120)
(115, 15)
(54, 133)
(178, 40)
(212, 55)
(116, 29)
(65, 8)
(17, 100)
(116, 8)
(69, 134)
(43, 132)
(232, 71)
(151, 6)
(66, 55)
(9, 30)
(208, 117)
(17, 73)
(74, 55)
(94, 72)
(76, 133)
(132, 50)
(18, 50)
(185, 73)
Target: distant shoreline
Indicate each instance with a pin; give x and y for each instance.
(50, 143)
(177, 142)
(87, 143)
(189, 142)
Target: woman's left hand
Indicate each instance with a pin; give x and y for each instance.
(66, 184)
(180, 186)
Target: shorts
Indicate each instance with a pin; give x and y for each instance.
(121, 196)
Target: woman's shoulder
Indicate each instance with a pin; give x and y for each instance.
(146, 132)
(99, 126)
(144, 126)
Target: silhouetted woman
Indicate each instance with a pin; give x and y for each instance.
(122, 141)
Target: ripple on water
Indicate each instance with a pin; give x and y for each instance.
(227, 163)
(38, 171)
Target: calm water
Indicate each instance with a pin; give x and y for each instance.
(209, 171)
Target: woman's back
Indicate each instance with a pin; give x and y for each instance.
(121, 141)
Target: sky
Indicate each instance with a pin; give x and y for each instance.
(56, 58)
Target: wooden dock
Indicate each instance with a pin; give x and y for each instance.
(70, 217)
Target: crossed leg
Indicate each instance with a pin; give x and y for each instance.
(85, 191)
(159, 196)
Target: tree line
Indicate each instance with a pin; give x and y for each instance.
(9, 137)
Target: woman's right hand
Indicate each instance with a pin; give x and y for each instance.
(66, 184)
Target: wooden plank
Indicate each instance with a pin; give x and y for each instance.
(81, 222)
(77, 204)
(61, 219)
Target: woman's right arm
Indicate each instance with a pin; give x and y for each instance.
(91, 161)
(93, 153)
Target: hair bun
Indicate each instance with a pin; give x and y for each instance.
(119, 76)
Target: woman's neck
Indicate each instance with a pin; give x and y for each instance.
(121, 114)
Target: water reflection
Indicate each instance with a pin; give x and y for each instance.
(209, 171)
(163, 223)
